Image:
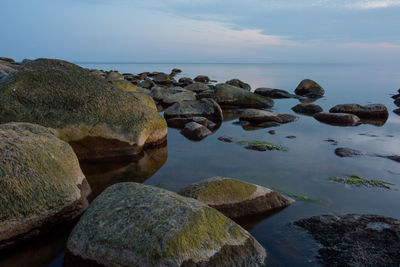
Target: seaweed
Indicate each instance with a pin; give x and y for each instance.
(359, 181)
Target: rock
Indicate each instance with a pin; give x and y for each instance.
(202, 79)
(41, 183)
(195, 131)
(340, 119)
(397, 111)
(174, 72)
(96, 118)
(372, 111)
(99, 73)
(345, 152)
(226, 139)
(10, 60)
(114, 75)
(239, 83)
(235, 198)
(159, 93)
(291, 136)
(272, 132)
(308, 109)
(147, 83)
(232, 96)
(309, 88)
(179, 97)
(162, 78)
(395, 96)
(257, 116)
(356, 240)
(397, 102)
(185, 81)
(197, 87)
(125, 85)
(131, 224)
(274, 93)
(181, 122)
(205, 94)
(207, 108)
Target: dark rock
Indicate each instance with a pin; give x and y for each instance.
(174, 72)
(147, 83)
(195, 131)
(371, 111)
(185, 81)
(179, 97)
(239, 83)
(332, 141)
(114, 75)
(205, 94)
(397, 102)
(396, 96)
(272, 132)
(356, 240)
(339, 119)
(207, 108)
(257, 116)
(197, 87)
(291, 137)
(181, 122)
(202, 79)
(307, 109)
(274, 93)
(162, 78)
(345, 152)
(10, 60)
(226, 139)
(397, 111)
(309, 88)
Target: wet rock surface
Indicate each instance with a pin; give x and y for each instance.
(195, 131)
(356, 240)
(307, 109)
(207, 108)
(256, 116)
(309, 88)
(339, 119)
(345, 152)
(274, 93)
(368, 111)
(239, 83)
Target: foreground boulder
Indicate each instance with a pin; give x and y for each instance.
(340, 119)
(96, 118)
(356, 240)
(257, 116)
(309, 88)
(239, 83)
(307, 109)
(207, 108)
(274, 93)
(231, 96)
(195, 131)
(378, 111)
(131, 224)
(41, 183)
(235, 198)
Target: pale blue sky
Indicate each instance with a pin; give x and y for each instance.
(202, 31)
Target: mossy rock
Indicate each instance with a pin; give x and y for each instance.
(231, 96)
(235, 198)
(239, 83)
(82, 107)
(309, 88)
(41, 183)
(207, 108)
(131, 224)
(257, 116)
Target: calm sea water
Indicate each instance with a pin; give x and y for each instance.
(304, 169)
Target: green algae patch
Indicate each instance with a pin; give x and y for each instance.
(357, 180)
(306, 198)
(268, 146)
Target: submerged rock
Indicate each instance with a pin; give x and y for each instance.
(41, 183)
(274, 93)
(257, 116)
(195, 131)
(96, 118)
(207, 108)
(239, 83)
(345, 152)
(202, 79)
(309, 88)
(226, 139)
(356, 240)
(371, 111)
(235, 198)
(307, 109)
(339, 119)
(232, 96)
(131, 224)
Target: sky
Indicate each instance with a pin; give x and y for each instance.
(202, 31)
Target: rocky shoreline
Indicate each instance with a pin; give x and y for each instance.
(55, 114)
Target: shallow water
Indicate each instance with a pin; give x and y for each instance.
(304, 169)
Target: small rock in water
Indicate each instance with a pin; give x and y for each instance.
(195, 131)
(345, 152)
(397, 102)
(272, 132)
(338, 119)
(307, 109)
(371, 111)
(257, 116)
(309, 88)
(291, 137)
(274, 93)
(226, 139)
(397, 111)
(332, 141)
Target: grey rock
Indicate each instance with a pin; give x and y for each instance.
(309, 88)
(195, 131)
(307, 109)
(197, 87)
(339, 119)
(239, 83)
(185, 81)
(147, 83)
(345, 152)
(371, 111)
(179, 97)
(274, 93)
(207, 108)
(257, 116)
(202, 79)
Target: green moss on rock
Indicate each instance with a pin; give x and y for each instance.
(357, 180)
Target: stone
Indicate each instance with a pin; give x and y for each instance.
(397, 111)
(162, 78)
(96, 118)
(7, 59)
(207, 108)
(41, 183)
(355, 239)
(226, 139)
(239, 83)
(274, 93)
(202, 79)
(257, 116)
(372, 111)
(179, 97)
(205, 94)
(235, 198)
(197, 87)
(159, 93)
(125, 85)
(131, 224)
(307, 109)
(185, 81)
(340, 119)
(345, 152)
(114, 75)
(397, 102)
(272, 132)
(291, 137)
(309, 88)
(147, 83)
(195, 131)
(231, 96)
(181, 122)
(174, 72)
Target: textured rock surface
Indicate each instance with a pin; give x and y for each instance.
(228, 95)
(86, 110)
(207, 108)
(202, 79)
(195, 131)
(235, 198)
(368, 111)
(41, 183)
(257, 116)
(340, 119)
(308, 109)
(309, 88)
(131, 224)
(239, 83)
(356, 240)
(197, 87)
(179, 97)
(274, 93)
(345, 152)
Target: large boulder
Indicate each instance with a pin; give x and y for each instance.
(307, 109)
(131, 224)
(309, 88)
(356, 240)
(235, 198)
(274, 93)
(239, 83)
(207, 108)
(340, 119)
(372, 111)
(96, 118)
(256, 116)
(41, 183)
(232, 96)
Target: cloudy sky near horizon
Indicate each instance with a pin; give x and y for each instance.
(202, 30)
